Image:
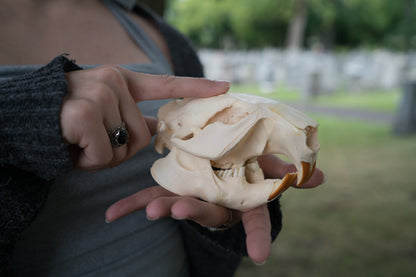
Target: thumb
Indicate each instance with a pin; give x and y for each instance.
(151, 124)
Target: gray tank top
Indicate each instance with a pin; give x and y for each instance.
(70, 238)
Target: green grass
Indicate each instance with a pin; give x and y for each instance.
(377, 100)
(281, 94)
(383, 101)
(362, 221)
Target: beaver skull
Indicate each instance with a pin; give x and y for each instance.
(214, 144)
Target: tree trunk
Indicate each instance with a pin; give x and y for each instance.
(296, 31)
(405, 122)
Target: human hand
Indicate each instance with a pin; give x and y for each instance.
(102, 98)
(159, 202)
(275, 168)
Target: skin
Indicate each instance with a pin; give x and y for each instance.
(33, 32)
(103, 97)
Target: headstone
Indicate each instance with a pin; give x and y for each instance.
(405, 122)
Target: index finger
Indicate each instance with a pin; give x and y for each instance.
(145, 86)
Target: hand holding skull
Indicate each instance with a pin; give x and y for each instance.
(238, 153)
(214, 144)
(160, 202)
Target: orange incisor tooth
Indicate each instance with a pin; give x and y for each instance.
(284, 185)
(313, 169)
(307, 171)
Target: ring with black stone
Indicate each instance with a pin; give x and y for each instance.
(119, 135)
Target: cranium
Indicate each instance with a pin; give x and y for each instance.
(214, 144)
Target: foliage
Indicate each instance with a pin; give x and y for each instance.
(214, 23)
(256, 24)
(204, 22)
(370, 22)
(260, 23)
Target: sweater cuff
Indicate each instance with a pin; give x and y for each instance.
(30, 135)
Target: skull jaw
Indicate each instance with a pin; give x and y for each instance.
(233, 192)
(241, 188)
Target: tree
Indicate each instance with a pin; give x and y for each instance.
(297, 25)
(247, 23)
(300, 23)
(204, 22)
(405, 122)
(260, 23)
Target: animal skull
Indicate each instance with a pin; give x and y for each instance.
(214, 144)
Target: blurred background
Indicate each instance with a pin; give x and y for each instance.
(351, 65)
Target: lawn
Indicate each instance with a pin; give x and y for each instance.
(362, 221)
(376, 100)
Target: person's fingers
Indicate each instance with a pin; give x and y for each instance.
(204, 213)
(95, 106)
(109, 104)
(127, 110)
(139, 133)
(258, 239)
(111, 92)
(181, 208)
(150, 87)
(151, 124)
(275, 168)
(77, 116)
(159, 202)
(135, 202)
(161, 207)
(318, 178)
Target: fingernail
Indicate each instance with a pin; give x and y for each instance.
(259, 264)
(151, 218)
(177, 217)
(223, 84)
(108, 221)
(325, 179)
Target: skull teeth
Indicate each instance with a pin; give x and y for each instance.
(229, 173)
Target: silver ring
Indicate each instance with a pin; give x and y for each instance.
(224, 226)
(118, 135)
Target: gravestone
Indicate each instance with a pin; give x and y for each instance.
(405, 122)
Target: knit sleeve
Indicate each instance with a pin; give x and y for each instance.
(30, 134)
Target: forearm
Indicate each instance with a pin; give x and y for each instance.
(30, 133)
